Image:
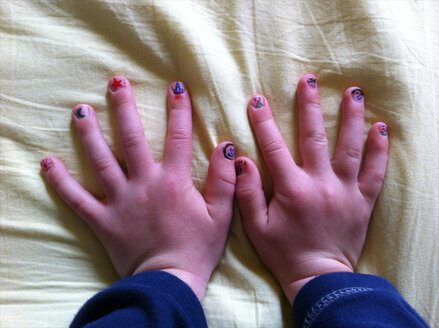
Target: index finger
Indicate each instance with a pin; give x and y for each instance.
(276, 154)
(178, 151)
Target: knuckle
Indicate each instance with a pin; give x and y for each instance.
(102, 165)
(313, 104)
(274, 146)
(132, 140)
(79, 205)
(122, 100)
(318, 137)
(353, 153)
(180, 134)
(175, 187)
(227, 181)
(88, 131)
(378, 180)
(246, 193)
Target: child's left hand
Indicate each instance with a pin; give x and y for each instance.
(152, 218)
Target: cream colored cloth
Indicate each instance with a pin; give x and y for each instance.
(56, 54)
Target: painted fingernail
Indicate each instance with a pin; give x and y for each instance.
(240, 167)
(383, 130)
(312, 82)
(357, 96)
(117, 83)
(177, 89)
(229, 151)
(258, 102)
(47, 164)
(82, 111)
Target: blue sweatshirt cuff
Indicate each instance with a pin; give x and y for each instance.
(147, 299)
(352, 300)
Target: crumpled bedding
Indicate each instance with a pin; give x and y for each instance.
(55, 54)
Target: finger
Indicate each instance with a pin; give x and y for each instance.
(178, 152)
(220, 183)
(372, 175)
(104, 163)
(135, 148)
(313, 140)
(250, 196)
(276, 154)
(80, 200)
(347, 156)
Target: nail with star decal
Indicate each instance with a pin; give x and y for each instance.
(117, 83)
(81, 111)
(47, 164)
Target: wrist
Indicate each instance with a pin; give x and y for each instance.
(195, 282)
(292, 289)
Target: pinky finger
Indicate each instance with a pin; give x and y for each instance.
(372, 175)
(79, 199)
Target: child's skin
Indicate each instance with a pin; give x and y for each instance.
(153, 218)
(316, 221)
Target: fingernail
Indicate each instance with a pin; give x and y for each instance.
(383, 130)
(229, 151)
(47, 164)
(81, 111)
(258, 102)
(117, 83)
(312, 82)
(177, 89)
(240, 167)
(357, 96)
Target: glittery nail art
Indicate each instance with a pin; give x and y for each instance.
(312, 82)
(257, 102)
(357, 96)
(82, 112)
(229, 151)
(240, 167)
(47, 164)
(383, 130)
(117, 84)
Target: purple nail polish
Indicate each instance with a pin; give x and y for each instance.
(312, 82)
(357, 96)
(177, 89)
(229, 151)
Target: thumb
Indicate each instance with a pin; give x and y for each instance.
(250, 196)
(220, 185)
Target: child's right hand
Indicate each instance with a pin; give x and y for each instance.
(317, 220)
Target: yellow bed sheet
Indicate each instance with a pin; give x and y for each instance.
(55, 54)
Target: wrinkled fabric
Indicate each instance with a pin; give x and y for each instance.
(56, 54)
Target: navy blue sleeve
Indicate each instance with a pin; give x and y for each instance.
(148, 299)
(352, 300)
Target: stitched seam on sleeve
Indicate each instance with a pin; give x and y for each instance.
(328, 299)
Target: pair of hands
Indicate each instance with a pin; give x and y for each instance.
(153, 218)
